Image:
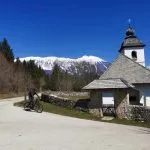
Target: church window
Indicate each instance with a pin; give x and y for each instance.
(134, 54)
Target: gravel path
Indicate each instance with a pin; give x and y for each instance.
(22, 130)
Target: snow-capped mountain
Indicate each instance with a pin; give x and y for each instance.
(85, 63)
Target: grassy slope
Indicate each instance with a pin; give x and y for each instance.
(83, 115)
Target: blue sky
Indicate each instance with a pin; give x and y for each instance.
(72, 28)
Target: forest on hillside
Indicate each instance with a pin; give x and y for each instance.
(17, 76)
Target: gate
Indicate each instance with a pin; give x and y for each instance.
(108, 110)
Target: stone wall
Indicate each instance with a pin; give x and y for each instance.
(66, 94)
(95, 103)
(81, 105)
(96, 99)
(138, 113)
(92, 105)
(121, 102)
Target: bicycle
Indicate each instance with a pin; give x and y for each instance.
(34, 105)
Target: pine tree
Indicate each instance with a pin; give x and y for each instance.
(55, 78)
(6, 49)
(18, 62)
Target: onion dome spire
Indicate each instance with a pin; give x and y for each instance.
(130, 32)
(131, 40)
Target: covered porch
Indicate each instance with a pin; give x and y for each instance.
(114, 93)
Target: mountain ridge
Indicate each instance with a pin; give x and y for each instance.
(71, 65)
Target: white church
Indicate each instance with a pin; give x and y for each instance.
(127, 80)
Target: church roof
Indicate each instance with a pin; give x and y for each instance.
(108, 84)
(131, 40)
(127, 69)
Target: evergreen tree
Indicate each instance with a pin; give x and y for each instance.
(55, 78)
(47, 85)
(6, 49)
(18, 62)
(20, 75)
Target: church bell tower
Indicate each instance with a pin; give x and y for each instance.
(132, 47)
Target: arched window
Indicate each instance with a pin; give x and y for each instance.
(134, 54)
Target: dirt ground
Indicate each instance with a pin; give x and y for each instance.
(23, 130)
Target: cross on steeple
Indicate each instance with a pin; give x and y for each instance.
(129, 22)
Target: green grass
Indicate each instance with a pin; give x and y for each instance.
(83, 115)
(62, 111)
(130, 122)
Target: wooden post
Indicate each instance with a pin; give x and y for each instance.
(101, 105)
(144, 100)
(101, 113)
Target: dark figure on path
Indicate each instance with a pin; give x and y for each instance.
(31, 94)
(33, 102)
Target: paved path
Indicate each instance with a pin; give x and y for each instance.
(22, 130)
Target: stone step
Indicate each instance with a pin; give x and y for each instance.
(107, 118)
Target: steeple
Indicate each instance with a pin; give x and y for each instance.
(130, 32)
(133, 47)
(131, 40)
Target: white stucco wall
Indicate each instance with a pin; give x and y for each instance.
(140, 54)
(145, 93)
(108, 98)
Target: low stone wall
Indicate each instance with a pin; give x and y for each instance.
(138, 113)
(81, 105)
(66, 94)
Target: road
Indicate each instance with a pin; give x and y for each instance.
(23, 130)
